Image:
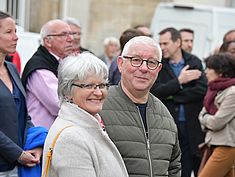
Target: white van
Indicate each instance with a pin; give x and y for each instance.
(209, 23)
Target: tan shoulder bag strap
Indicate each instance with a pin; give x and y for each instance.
(49, 153)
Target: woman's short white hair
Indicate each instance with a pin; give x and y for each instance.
(145, 41)
(78, 68)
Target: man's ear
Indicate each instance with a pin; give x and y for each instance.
(178, 42)
(159, 67)
(119, 63)
(47, 42)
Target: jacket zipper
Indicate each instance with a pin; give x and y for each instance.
(147, 143)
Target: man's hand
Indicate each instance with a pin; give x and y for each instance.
(37, 153)
(30, 158)
(188, 75)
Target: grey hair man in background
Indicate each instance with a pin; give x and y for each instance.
(111, 50)
(76, 28)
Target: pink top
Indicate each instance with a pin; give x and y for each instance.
(42, 97)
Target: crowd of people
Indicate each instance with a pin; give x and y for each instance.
(141, 108)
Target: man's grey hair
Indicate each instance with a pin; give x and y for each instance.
(78, 68)
(111, 39)
(72, 21)
(47, 29)
(143, 40)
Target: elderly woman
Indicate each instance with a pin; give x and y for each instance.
(84, 148)
(217, 117)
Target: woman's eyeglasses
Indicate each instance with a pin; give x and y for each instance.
(93, 86)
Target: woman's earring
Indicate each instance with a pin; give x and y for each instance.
(70, 100)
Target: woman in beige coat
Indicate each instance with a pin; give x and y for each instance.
(84, 149)
(217, 117)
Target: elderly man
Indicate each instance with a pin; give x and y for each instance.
(76, 29)
(137, 122)
(111, 50)
(40, 73)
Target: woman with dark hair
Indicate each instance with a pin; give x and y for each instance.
(14, 118)
(217, 117)
(228, 47)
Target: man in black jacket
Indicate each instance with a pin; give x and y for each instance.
(181, 86)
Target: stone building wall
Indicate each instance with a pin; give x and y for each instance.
(111, 19)
(41, 11)
(100, 18)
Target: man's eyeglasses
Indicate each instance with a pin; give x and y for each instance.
(63, 34)
(137, 61)
(101, 86)
(76, 34)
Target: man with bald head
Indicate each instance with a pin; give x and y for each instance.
(40, 73)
